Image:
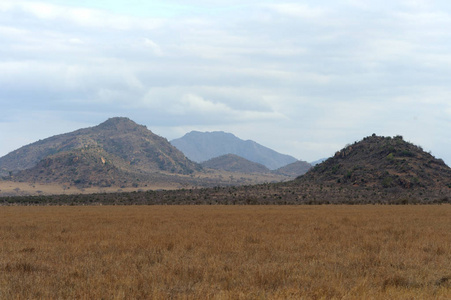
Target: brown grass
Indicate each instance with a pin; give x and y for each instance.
(218, 252)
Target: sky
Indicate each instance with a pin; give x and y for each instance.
(304, 78)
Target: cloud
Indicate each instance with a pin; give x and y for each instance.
(9, 31)
(196, 104)
(301, 78)
(297, 10)
(182, 107)
(156, 49)
(84, 17)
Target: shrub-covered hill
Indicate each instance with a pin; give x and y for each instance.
(118, 150)
(381, 162)
(121, 137)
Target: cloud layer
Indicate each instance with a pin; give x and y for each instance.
(302, 78)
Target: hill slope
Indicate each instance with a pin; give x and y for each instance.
(234, 163)
(118, 150)
(202, 146)
(84, 167)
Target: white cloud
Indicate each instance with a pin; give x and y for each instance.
(191, 103)
(196, 109)
(42, 10)
(85, 17)
(156, 49)
(75, 41)
(11, 31)
(389, 49)
(296, 77)
(298, 10)
(419, 19)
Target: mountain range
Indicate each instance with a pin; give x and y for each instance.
(121, 153)
(375, 170)
(202, 146)
(235, 163)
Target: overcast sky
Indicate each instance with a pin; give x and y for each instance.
(303, 78)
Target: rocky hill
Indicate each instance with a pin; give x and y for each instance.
(382, 162)
(111, 151)
(234, 163)
(295, 169)
(202, 146)
(84, 166)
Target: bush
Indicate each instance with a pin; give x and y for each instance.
(387, 182)
(406, 153)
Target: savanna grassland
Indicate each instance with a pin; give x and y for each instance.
(225, 252)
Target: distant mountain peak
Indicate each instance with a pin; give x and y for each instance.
(196, 133)
(202, 146)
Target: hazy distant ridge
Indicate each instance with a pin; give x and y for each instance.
(202, 146)
(235, 163)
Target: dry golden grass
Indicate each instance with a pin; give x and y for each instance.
(218, 252)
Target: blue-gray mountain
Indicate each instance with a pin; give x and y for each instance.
(234, 163)
(202, 146)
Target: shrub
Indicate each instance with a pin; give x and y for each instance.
(387, 181)
(406, 153)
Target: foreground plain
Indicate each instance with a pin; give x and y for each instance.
(226, 252)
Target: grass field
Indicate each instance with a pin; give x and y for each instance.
(226, 252)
